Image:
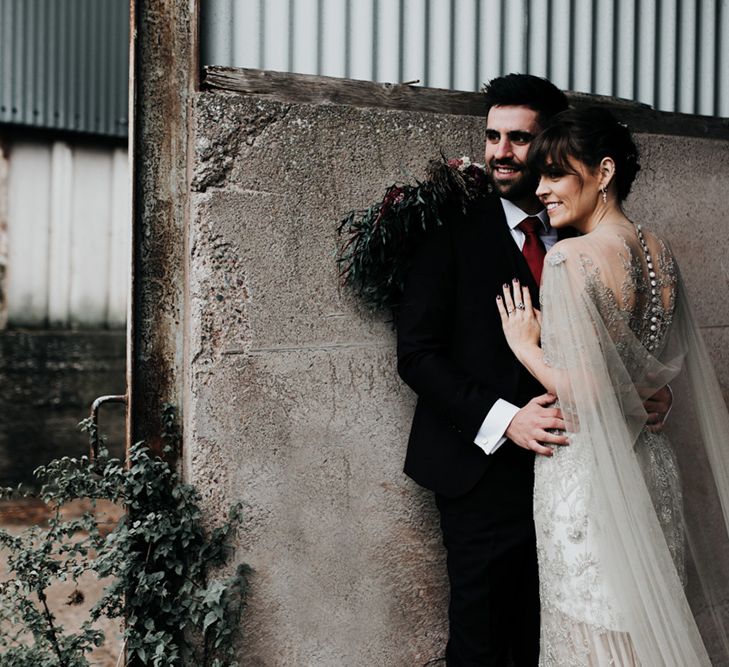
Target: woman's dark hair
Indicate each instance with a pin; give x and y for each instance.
(587, 135)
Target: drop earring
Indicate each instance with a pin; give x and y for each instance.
(603, 192)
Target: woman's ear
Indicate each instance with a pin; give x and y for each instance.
(606, 171)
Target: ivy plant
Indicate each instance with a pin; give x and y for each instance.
(158, 557)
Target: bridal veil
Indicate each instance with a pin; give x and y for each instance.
(618, 327)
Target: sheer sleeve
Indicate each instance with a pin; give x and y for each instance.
(645, 597)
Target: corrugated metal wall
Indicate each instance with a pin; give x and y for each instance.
(671, 54)
(68, 235)
(64, 64)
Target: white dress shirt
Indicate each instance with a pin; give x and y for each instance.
(491, 434)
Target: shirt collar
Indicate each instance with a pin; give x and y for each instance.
(514, 215)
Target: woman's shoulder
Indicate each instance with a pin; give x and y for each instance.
(582, 253)
(565, 249)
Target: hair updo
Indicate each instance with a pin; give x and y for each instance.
(587, 135)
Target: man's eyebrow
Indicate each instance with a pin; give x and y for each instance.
(514, 134)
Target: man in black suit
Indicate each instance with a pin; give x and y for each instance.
(480, 416)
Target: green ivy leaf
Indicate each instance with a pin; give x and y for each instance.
(157, 558)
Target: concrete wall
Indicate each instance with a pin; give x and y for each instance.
(292, 401)
(681, 193)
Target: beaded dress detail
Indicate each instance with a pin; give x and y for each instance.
(623, 293)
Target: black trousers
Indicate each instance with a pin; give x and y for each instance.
(492, 566)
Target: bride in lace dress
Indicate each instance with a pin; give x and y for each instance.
(632, 523)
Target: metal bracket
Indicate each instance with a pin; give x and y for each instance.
(94, 441)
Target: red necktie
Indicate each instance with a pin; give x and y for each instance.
(533, 249)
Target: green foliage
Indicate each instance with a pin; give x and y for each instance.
(158, 558)
(380, 240)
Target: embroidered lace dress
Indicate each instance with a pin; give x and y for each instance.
(615, 530)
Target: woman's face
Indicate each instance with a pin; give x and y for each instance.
(570, 198)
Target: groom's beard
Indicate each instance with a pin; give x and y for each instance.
(522, 185)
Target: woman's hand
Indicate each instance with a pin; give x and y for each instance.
(521, 321)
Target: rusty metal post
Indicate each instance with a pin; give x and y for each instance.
(164, 73)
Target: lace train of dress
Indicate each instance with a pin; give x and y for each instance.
(570, 643)
(629, 563)
(582, 624)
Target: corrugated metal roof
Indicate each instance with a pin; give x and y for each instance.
(64, 64)
(671, 54)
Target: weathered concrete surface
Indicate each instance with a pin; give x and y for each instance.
(48, 380)
(292, 400)
(681, 191)
(294, 403)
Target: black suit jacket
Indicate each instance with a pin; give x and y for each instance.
(451, 348)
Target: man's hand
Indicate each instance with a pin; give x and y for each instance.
(528, 427)
(657, 407)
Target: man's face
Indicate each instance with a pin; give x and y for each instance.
(509, 131)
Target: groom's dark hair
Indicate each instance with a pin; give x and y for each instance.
(526, 90)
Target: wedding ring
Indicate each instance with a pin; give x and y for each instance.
(521, 306)
(509, 310)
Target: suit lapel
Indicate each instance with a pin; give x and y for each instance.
(498, 236)
(519, 264)
(510, 263)
(496, 245)
(507, 238)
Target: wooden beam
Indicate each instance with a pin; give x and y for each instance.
(310, 89)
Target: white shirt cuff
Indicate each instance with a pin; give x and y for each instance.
(491, 434)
